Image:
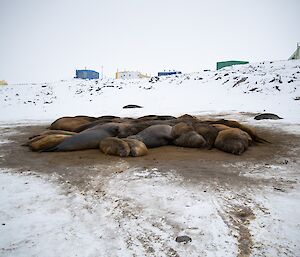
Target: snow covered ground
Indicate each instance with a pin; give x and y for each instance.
(139, 211)
(268, 86)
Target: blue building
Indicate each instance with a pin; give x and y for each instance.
(168, 73)
(87, 74)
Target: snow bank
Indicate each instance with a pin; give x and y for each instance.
(261, 87)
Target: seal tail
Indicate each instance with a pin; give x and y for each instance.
(261, 140)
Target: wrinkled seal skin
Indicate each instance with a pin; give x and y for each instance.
(114, 146)
(87, 139)
(232, 140)
(220, 127)
(43, 142)
(137, 148)
(71, 123)
(209, 133)
(190, 139)
(265, 116)
(155, 135)
(180, 128)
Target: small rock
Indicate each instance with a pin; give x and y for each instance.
(183, 239)
(129, 106)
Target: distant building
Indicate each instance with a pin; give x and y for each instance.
(296, 54)
(3, 83)
(87, 74)
(221, 65)
(168, 73)
(130, 75)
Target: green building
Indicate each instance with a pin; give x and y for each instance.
(221, 65)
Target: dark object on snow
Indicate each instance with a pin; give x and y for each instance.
(129, 106)
(183, 239)
(267, 116)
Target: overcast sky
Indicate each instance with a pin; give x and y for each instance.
(47, 40)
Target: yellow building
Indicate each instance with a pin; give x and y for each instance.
(3, 83)
(130, 75)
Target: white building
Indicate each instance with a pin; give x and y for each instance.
(130, 75)
(296, 54)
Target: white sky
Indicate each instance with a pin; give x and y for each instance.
(46, 40)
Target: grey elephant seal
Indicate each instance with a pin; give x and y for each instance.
(87, 139)
(267, 116)
(190, 139)
(155, 135)
(114, 146)
(137, 148)
(233, 141)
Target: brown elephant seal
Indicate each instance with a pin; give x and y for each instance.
(220, 127)
(251, 131)
(180, 128)
(53, 132)
(190, 139)
(114, 146)
(137, 148)
(43, 142)
(232, 140)
(87, 139)
(70, 123)
(208, 132)
(155, 135)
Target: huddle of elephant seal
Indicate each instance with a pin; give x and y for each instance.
(265, 116)
(139, 134)
(232, 140)
(114, 146)
(155, 135)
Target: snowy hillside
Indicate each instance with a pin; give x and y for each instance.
(267, 86)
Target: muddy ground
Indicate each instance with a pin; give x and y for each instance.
(218, 171)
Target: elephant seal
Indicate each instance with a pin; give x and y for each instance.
(87, 139)
(70, 123)
(232, 140)
(249, 130)
(41, 143)
(53, 132)
(137, 148)
(265, 116)
(220, 127)
(180, 128)
(114, 146)
(190, 139)
(208, 132)
(155, 135)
